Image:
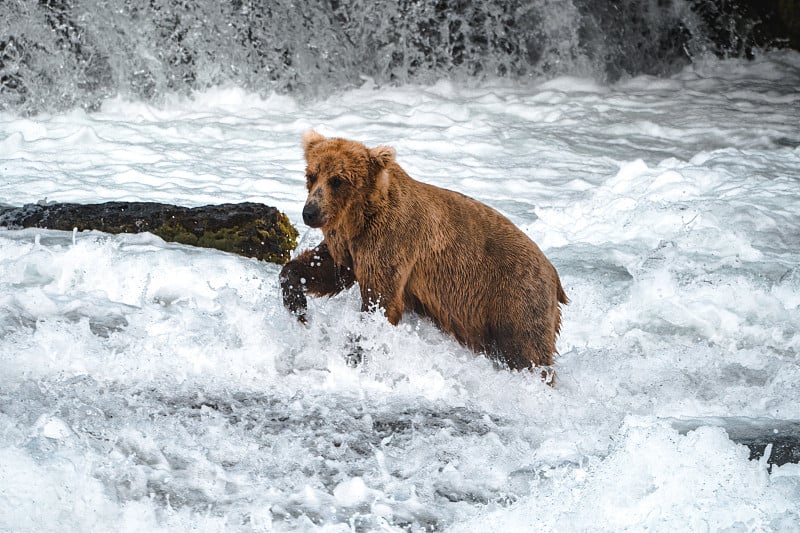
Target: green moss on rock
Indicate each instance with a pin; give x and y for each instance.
(249, 229)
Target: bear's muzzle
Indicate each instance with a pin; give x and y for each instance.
(312, 215)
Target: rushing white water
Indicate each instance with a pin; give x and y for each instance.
(59, 54)
(149, 386)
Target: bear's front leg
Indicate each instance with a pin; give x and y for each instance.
(385, 292)
(313, 271)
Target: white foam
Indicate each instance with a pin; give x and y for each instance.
(154, 386)
(700, 481)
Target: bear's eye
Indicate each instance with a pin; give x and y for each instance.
(336, 182)
(311, 178)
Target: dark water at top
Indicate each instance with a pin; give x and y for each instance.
(58, 54)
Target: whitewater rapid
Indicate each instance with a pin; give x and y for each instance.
(153, 386)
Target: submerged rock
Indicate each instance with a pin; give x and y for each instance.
(249, 229)
(757, 434)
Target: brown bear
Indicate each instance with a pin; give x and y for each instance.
(410, 245)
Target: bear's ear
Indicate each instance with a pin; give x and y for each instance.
(310, 139)
(382, 155)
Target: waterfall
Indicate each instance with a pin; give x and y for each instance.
(59, 54)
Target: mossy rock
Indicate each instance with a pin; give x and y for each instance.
(248, 229)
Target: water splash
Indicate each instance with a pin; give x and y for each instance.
(60, 54)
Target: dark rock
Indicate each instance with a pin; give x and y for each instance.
(249, 229)
(739, 28)
(756, 434)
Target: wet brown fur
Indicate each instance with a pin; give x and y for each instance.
(410, 245)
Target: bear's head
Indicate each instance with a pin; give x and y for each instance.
(341, 176)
